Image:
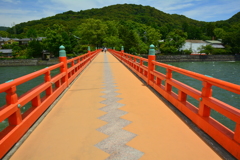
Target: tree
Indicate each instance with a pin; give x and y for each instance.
(111, 38)
(208, 49)
(112, 41)
(232, 39)
(219, 33)
(32, 33)
(92, 32)
(112, 28)
(194, 32)
(210, 26)
(164, 31)
(4, 34)
(174, 41)
(55, 38)
(34, 48)
(153, 36)
(137, 45)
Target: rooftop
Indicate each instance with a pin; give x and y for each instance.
(214, 41)
(5, 51)
(195, 41)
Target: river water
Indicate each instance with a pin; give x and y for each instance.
(227, 71)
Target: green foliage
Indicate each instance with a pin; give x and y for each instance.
(232, 39)
(152, 36)
(92, 32)
(32, 33)
(35, 49)
(2, 28)
(174, 41)
(4, 34)
(80, 49)
(71, 55)
(112, 41)
(10, 46)
(187, 51)
(219, 33)
(209, 27)
(57, 36)
(208, 49)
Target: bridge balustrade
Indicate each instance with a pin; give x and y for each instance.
(51, 88)
(200, 115)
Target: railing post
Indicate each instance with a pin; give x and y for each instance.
(89, 50)
(63, 58)
(141, 64)
(12, 98)
(151, 57)
(168, 87)
(237, 133)
(47, 78)
(122, 53)
(206, 92)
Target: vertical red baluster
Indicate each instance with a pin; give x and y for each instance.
(12, 98)
(36, 101)
(182, 96)
(237, 133)
(168, 87)
(206, 92)
(141, 64)
(47, 78)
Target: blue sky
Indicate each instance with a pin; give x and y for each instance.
(17, 11)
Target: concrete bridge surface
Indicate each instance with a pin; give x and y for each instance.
(108, 113)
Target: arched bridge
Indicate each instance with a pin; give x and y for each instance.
(115, 105)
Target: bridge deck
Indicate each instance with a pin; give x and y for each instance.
(109, 114)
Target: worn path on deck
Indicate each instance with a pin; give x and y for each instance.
(109, 114)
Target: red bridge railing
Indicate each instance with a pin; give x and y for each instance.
(200, 115)
(52, 87)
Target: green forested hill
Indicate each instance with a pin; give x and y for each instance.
(235, 18)
(121, 12)
(129, 25)
(124, 12)
(2, 28)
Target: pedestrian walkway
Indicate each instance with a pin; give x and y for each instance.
(108, 113)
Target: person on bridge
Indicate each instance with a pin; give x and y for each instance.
(105, 49)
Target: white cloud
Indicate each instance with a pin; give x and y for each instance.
(14, 11)
(77, 5)
(8, 20)
(173, 5)
(218, 11)
(12, 1)
(181, 6)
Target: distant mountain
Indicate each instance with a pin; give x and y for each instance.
(2, 28)
(235, 18)
(121, 12)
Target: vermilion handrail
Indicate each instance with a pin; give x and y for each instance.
(230, 140)
(52, 86)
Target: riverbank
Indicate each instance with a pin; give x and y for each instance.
(27, 62)
(195, 58)
(159, 58)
